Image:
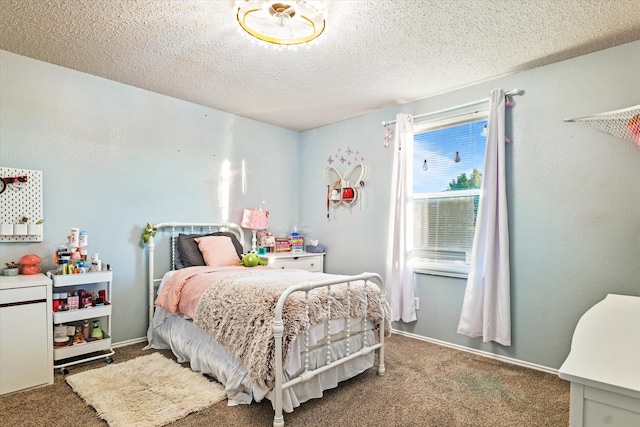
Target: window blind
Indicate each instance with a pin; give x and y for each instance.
(447, 172)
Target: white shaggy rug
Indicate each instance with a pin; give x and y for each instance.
(147, 391)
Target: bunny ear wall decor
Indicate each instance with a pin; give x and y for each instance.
(344, 190)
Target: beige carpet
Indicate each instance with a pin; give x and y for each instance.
(148, 391)
(425, 385)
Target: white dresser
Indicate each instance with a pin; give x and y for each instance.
(298, 260)
(26, 335)
(604, 365)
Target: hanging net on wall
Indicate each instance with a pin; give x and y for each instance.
(623, 123)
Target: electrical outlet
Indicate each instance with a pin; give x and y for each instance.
(417, 302)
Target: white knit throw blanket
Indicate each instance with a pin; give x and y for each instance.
(238, 311)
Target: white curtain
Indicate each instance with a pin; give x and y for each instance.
(486, 309)
(399, 280)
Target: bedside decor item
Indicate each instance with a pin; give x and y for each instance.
(11, 269)
(266, 241)
(283, 244)
(254, 220)
(287, 23)
(297, 242)
(251, 260)
(29, 264)
(133, 394)
(315, 248)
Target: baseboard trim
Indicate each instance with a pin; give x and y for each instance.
(479, 352)
(506, 359)
(129, 342)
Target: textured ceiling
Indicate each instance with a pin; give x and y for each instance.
(373, 54)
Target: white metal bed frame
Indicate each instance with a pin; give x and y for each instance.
(278, 327)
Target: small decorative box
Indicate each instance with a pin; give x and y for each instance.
(283, 245)
(297, 243)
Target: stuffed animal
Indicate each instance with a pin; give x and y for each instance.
(251, 260)
(149, 231)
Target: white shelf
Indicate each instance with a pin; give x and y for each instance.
(81, 314)
(61, 280)
(76, 350)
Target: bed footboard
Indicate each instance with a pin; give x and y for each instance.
(279, 327)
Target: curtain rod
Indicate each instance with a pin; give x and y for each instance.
(513, 92)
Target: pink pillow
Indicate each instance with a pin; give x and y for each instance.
(218, 250)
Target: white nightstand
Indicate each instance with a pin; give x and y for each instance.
(298, 260)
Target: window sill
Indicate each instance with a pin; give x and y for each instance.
(440, 273)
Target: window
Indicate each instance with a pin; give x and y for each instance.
(448, 161)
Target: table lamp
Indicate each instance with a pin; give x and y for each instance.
(29, 264)
(254, 220)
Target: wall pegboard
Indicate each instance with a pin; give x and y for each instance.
(18, 200)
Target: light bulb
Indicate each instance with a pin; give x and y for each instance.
(424, 165)
(457, 158)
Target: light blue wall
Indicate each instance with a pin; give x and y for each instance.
(115, 157)
(573, 196)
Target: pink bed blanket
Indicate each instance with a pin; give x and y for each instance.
(176, 297)
(236, 306)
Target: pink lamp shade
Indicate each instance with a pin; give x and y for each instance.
(255, 219)
(29, 262)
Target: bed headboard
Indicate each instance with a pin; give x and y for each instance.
(165, 241)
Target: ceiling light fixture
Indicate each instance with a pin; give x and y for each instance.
(285, 23)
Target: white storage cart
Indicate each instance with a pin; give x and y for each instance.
(79, 353)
